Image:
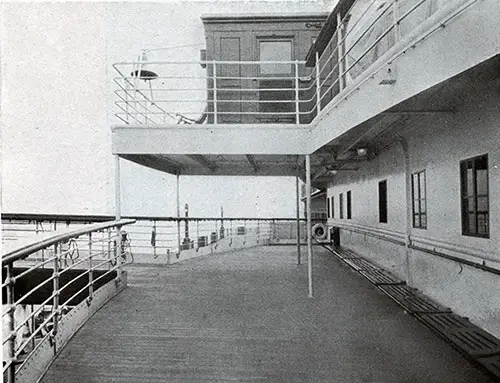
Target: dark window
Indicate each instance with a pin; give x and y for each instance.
(341, 206)
(418, 194)
(333, 207)
(275, 50)
(349, 206)
(474, 193)
(328, 207)
(382, 201)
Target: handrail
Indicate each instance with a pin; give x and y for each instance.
(25, 251)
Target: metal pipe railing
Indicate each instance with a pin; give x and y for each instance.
(46, 283)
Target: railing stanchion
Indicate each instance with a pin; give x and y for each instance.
(11, 373)
(119, 252)
(109, 246)
(297, 101)
(318, 87)
(91, 273)
(297, 201)
(340, 51)
(309, 229)
(55, 304)
(395, 13)
(215, 91)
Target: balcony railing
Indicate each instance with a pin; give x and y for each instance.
(226, 92)
(166, 239)
(223, 92)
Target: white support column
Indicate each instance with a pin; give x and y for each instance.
(118, 216)
(409, 210)
(178, 216)
(298, 215)
(309, 226)
(118, 212)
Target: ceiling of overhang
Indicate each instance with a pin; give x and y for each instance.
(340, 154)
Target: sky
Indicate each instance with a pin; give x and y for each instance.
(57, 109)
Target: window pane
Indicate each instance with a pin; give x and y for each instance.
(422, 185)
(482, 182)
(423, 221)
(469, 191)
(472, 223)
(482, 222)
(471, 205)
(275, 51)
(423, 206)
(416, 209)
(482, 204)
(416, 220)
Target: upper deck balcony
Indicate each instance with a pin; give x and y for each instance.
(372, 63)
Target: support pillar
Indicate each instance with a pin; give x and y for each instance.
(309, 226)
(118, 209)
(118, 216)
(178, 216)
(409, 213)
(298, 215)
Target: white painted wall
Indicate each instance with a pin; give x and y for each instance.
(436, 144)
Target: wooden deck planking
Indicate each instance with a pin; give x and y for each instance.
(245, 317)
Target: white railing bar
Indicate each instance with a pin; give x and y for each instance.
(37, 266)
(128, 63)
(40, 308)
(383, 35)
(349, 31)
(355, 43)
(412, 43)
(407, 13)
(29, 339)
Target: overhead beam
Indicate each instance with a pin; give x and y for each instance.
(203, 161)
(155, 161)
(419, 111)
(251, 160)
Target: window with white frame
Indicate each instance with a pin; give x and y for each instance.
(475, 196)
(419, 198)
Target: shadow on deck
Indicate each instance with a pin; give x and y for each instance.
(245, 316)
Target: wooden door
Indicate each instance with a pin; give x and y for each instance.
(233, 80)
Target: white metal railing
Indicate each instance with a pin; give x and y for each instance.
(226, 92)
(44, 278)
(168, 92)
(160, 239)
(368, 31)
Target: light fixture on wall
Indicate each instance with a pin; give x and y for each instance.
(388, 75)
(362, 152)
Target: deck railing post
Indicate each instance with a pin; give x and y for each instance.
(119, 252)
(297, 101)
(215, 91)
(340, 51)
(178, 216)
(318, 87)
(109, 245)
(11, 344)
(91, 273)
(153, 239)
(395, 13)
(298, 214)
(55, 299)
(309, 227)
